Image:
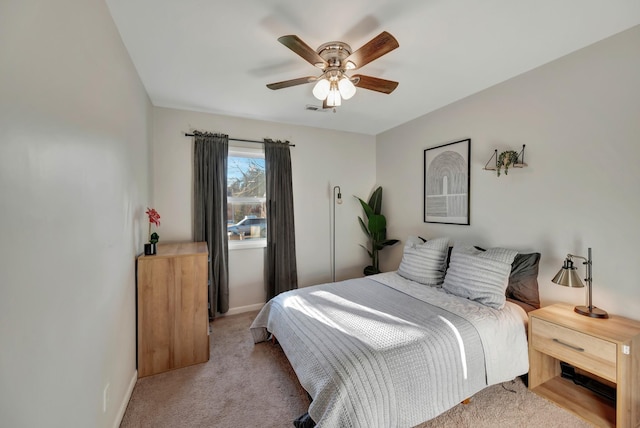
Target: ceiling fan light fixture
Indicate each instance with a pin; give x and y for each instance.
(321, 89)
(346, 88)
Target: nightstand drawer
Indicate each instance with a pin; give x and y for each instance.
(590, 353)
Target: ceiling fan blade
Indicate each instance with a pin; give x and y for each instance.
(374, 83)
(301, 48)
(292, 82)
(382, 44)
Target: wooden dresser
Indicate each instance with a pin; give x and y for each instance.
(173, 321)
(606, 349)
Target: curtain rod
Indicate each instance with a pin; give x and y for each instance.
(242, 139)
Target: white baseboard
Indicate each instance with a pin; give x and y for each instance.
(242, 309)
(125, 400)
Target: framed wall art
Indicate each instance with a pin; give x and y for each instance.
(447, 179)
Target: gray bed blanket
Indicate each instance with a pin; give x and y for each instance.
(373, 356)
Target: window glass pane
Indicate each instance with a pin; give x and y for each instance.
(245, 177)
(246, 199)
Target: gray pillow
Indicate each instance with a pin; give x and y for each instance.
(479, 275)
(523, 280)
(424, 262)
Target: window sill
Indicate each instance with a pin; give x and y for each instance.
(247, 244)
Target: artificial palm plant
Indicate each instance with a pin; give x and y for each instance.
(376, 230)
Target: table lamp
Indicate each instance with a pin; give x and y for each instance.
(568, 277)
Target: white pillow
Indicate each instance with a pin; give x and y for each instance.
(479, 275)
(424, 262)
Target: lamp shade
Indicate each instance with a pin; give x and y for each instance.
(333, 99)
(347, 88)
(321, 89)
(568, 275)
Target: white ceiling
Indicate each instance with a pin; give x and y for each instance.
(217, 56)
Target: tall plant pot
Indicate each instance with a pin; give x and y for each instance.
(150, 249)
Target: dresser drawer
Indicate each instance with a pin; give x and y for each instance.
(590, 353)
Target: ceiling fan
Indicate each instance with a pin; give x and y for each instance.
(335, 59)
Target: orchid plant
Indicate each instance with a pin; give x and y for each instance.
(154, 218)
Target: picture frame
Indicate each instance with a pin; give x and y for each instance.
(447, 183)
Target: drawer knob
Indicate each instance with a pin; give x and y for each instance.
(577, 348)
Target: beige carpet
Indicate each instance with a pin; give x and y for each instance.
(247, 385)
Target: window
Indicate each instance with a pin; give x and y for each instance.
(246, 197)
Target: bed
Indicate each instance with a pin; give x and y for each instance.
(399, 348)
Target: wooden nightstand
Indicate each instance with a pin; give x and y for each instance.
(605, 349)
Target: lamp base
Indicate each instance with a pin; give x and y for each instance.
(592, 312)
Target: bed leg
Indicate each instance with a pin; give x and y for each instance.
(466, 400)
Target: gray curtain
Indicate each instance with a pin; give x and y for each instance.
(281, 270)
(210, 213)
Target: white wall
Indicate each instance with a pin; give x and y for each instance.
(320, 160)
(74, 167)
(579, 117)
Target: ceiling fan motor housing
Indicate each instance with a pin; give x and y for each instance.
(334, 53)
